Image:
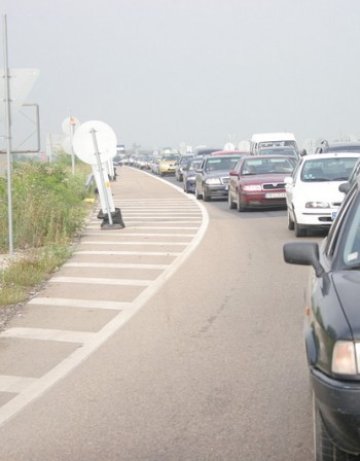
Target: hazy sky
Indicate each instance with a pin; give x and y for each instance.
(162, 72)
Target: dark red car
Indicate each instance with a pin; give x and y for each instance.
(258, 182)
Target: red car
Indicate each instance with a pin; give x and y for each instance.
(258, 182)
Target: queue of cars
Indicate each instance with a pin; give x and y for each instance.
(274, 173)
(319, 191)
(325, 190)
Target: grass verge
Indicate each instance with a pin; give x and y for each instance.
(28, 271)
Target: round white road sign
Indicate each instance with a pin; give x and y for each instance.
(69, 125)
(91, 135)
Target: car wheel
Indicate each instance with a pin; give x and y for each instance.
(206, 196)
(231, 204)
(239, 206)
(291, 223)
(324, 448)
(300, 231)
(197, 195)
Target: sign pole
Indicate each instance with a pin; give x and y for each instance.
(100, 168)
(72, 126)
(8, 136)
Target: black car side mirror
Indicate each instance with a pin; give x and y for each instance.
(305, 254)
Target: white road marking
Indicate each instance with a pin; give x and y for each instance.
(44, 334)
(80, 303)
(128, 253)
(14, 384)
(140, 227)
(115, 242)
(101, 281)
(134, 234)
(118, 265)
(190, 214)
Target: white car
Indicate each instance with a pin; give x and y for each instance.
(312, 192)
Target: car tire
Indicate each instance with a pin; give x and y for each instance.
(206, 196)
(239, 206)
(197, 195)
(231, 204)
(300, 231)
(291, 224)
(324, 448)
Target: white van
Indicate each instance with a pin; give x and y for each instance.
(260, 140)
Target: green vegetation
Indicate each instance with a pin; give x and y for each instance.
(49, 210)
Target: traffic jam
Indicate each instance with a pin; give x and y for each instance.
(320, 195)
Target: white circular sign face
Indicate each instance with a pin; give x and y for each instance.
(85, 147)
(70, 123)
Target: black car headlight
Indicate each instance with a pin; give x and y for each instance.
(346, 358)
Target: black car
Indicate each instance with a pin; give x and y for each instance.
(212, 179)
(332, 331)
(189, 174)
(184, 162)
(325, 146)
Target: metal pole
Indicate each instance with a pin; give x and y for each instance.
(100, 168)
(71, 144)
(8, 135)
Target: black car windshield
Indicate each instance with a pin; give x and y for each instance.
(267, 166)
(221, 163)
(351, 248)
(328, 169)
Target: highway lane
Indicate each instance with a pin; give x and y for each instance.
(212, 368)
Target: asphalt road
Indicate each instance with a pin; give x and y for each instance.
(212, 367)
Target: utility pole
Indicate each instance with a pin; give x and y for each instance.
(8, 135)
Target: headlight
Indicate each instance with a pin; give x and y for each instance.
(344, 358)
(252, 188)
(317, 205)
(213, 181)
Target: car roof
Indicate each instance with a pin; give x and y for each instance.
(269, 137)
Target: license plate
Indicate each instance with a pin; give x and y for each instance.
(275, 195)
(333, 215)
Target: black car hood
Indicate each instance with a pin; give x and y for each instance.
(347, 285)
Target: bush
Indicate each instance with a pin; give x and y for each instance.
(49, 210)
(48, 205)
